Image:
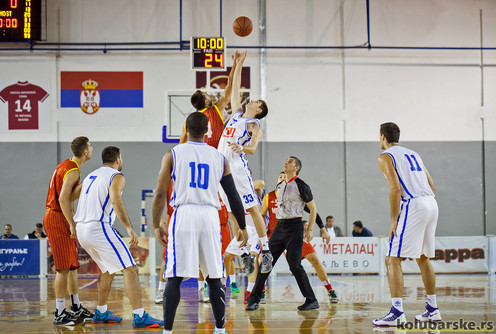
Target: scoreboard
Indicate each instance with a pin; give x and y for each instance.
(207, 53)
(20, 20)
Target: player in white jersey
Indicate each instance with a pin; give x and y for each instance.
(413, 223)
(240, 137)
(99, 204)
(194, 230)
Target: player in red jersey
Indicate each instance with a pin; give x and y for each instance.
(204, 103)
(63, 190)
(269, 204)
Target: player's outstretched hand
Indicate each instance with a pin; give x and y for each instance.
(244, 237)
(160, 235)
(309, 235)
(326, 237)
(133, 236)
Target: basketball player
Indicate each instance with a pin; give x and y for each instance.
(413, 223)
(204, 103)
(292, 196)
(99, 204)
(63, 190)
(240, 137)
(308, 252)
(196, 170)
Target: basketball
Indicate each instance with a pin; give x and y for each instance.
(242, 26)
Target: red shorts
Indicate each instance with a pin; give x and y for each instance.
(225, 234)
(64, 248)
(166, 229)
(307, 249)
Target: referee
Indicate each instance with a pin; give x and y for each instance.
(292, 195)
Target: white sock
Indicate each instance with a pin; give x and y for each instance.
(232, 278)
(431, 299)
(161, 285)
(140, 312)
(224, 281)
(102, 308)
(265, 243)
(201, 284)
(250, 286)
(220, 330)
(398, 303)
(60, 305)
(75, 300)
(167, 332)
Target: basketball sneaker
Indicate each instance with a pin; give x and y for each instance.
(65, 319)
(249, 263)
(203, 296)
(234, 287)
(105, 318)
(430, 314)
(159, 297)
(146, 321)
(266, 265)
(81, 313)
(333, 297)
(394, 318)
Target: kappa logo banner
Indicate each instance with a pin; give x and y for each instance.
(96, 98)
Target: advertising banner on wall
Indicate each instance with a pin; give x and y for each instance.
(19, 257)
(25, 105)
(101, 98)
(342, 255)
(456, 255)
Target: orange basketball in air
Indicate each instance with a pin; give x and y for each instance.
(242, 26)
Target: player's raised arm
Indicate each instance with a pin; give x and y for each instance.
(386, 166)
(115, 191)
(236, 86)
(164, 178)
(226, 95)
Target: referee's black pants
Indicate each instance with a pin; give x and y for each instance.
(288, 235)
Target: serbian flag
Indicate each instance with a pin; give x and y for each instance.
(91, 91)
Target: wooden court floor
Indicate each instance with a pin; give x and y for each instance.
(26, 305)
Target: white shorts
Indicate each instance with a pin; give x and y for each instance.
(244, 184)
(104, 246)
(194, 242)
(416, 229)
(253, 239)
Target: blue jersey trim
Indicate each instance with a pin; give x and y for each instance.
(174, 266)
(103, 208)
(111, 244)
(123, 245)
(399, 177)
(404, 225)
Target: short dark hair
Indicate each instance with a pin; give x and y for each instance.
(197, 124)
(297, 163)
(264, 108)
(39, 225)
(8, 225)
(358, 224)
(78, 145)
(329, 217)
(391, 131)
(110, 154)
(198, 100)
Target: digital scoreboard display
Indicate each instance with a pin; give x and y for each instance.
(207, 53)
(20, 20)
